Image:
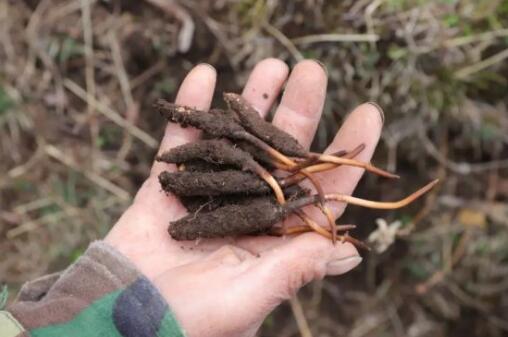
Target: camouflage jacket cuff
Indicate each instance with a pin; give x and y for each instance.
(101, 294)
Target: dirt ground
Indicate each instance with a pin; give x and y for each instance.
(78, 134)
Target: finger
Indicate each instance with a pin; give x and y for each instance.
(264, 84)
(196, 90)
(362, 126)
(287, 268)
(302, 103)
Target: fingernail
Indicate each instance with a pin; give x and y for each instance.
(208, 65)
(379, 109)
(322, 65)
(341, 266)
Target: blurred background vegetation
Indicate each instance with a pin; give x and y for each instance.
(77, 137)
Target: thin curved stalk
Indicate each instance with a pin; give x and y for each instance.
(265, 147)
(380, 204)
(307, 228)
(299, 176)
(326, 158)
(270, 180)
(311, 224)
(313, 160)
(342, 154)
(297, 204)
(351, 162)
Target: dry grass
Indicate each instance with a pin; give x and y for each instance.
(77, 136)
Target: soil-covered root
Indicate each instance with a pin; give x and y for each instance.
(199, 204)
(252, 217)
(191, 183)
(214, 151)
(252, 122)
(216, 125)
(221, 151)
(219, 125)
(232, 220)
(212, 183)
(260, 214)
(225, 113)
(202, 204)
(203, 166)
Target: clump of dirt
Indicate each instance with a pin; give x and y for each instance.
(243, 179)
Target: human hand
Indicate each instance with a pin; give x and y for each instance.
(226, 287)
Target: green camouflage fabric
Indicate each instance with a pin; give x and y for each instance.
(102, 294)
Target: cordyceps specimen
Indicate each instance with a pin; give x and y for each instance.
(243, 177)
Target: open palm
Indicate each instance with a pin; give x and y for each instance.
(236, 282)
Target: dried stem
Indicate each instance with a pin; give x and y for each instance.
(299, 176)
(291, 165)
(265, 147)
(331, 220)
(322, 204)
(351, 162)
(311, 161)
(270, 180)
(379, 204)
(362, 202)
(313, 226)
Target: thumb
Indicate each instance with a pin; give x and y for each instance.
(282, 271)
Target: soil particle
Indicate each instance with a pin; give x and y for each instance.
(252, 122)
(231, 220)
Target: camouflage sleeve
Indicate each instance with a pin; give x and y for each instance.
(102, 294)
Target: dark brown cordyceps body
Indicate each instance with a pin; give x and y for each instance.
(214, 124)
(214, 151)
(255, 218)
(212, 183)
(252, 122)
(199, 204)
(199, 165)
(230, 114)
